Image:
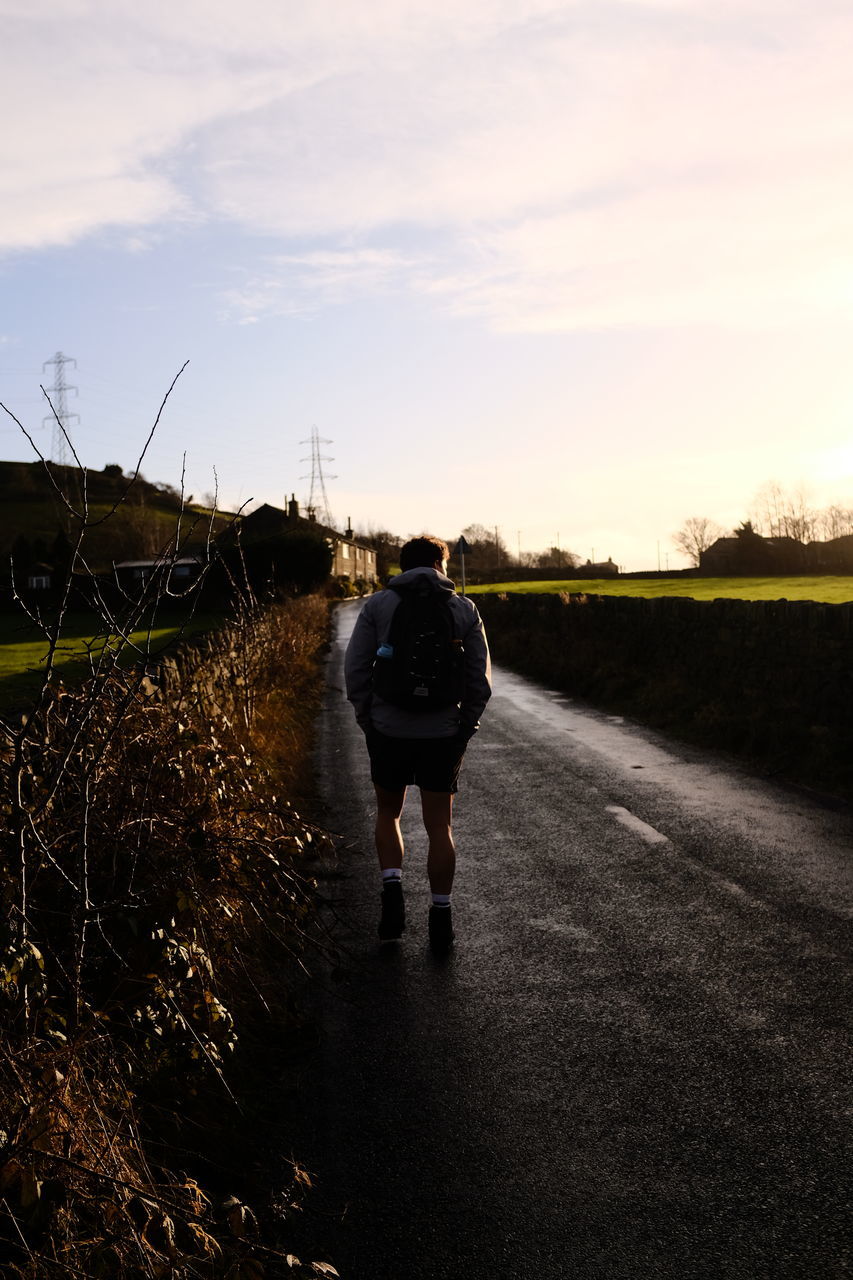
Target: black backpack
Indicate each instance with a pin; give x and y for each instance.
(424, 670)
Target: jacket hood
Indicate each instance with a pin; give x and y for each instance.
(408, 579)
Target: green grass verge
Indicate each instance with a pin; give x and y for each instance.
(23, 650)
(827, 590)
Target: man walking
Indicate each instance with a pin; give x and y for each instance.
(418, 675)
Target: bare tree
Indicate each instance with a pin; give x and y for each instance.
(386, 545)
(489, 542)
(487, 549)
(696, 535)
(834, 521)
(557, 558)
(781, 514)
(800, 519)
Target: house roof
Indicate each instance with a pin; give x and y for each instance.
(274, 518)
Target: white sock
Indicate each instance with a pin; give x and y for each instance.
(441, 899)
(393, 873)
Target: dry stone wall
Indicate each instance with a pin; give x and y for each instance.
(772, 680)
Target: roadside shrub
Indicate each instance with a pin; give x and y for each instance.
(149, 854)
(157, 892)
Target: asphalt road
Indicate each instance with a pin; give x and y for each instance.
(635, 1063)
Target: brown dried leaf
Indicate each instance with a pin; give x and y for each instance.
(30, 1189)
(37, 1132)
(10, 1174)
(239, 1217)
(199, 1199)
(160, 1234)
(205, 1244)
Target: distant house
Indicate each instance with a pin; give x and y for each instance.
(350, 558)
(599, 569)
(721, 558)
(751, 553)
(40, 577)
(834, 556)
(134, 575)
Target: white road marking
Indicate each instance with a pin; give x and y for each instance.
(635, 824)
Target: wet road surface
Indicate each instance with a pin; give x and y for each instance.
(635, 1063)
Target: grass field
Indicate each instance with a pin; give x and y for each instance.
(828, 590)
(23, 650)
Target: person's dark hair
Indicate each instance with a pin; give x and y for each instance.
(422, 553)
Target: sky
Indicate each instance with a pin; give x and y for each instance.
(578, 270)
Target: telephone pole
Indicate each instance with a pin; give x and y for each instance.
(60, 417)
(318, 502)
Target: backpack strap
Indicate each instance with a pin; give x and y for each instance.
(423, 586)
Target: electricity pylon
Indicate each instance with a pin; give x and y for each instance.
(318, 502)
(60, 417)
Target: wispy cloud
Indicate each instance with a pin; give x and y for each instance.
(572, 164)
(291, 284)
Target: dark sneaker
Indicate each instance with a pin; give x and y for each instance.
(393, 920)
(440, 930)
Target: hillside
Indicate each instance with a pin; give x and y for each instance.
(34, 523)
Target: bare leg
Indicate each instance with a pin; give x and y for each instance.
(389, 838)
(437, 807)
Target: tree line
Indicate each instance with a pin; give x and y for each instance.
(487, 551)
(776, 513)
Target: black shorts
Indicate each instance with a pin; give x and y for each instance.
(432, 764)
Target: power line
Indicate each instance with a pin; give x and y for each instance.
(60, 417)
(318, 502)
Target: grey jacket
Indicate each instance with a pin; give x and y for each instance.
(371, 630)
